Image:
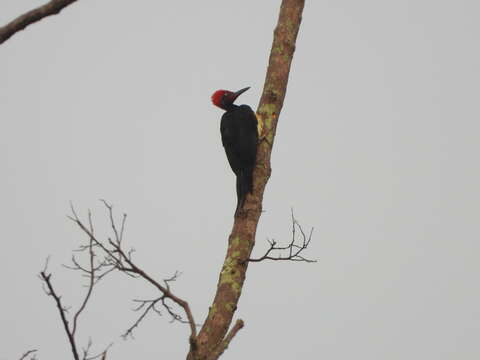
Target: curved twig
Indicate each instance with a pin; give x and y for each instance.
(53, 7)
(29, 352)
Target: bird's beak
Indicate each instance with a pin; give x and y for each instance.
(238, 93)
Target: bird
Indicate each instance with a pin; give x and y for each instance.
(238, 128)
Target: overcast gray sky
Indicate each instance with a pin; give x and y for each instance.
(377, 148)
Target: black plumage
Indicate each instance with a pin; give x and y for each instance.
(238, 128)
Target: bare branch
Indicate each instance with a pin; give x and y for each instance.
(95, 271)
(61, 309)
(148, 308)
(53, 7)
(116, 257)
(90, 288)
(294, 251)
(29, 352)
(112, 221)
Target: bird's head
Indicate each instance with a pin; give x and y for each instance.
(224, 98)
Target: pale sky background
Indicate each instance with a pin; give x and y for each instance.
(377, 148)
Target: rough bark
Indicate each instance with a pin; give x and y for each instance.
(51, 8)
(213, 339)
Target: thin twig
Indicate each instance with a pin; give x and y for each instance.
(90, 288)
(103, 354)
(151, 306)
(294, 251)
(24, 356)
(46, 278)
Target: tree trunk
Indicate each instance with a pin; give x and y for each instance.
(213, 339)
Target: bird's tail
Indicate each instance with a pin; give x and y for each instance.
(244, 186)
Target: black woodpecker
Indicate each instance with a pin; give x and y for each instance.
(238, 128)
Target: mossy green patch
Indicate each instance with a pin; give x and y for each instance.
(236, 241)
(279, 49)
(229, 272)
(269, 110)
(230, 306)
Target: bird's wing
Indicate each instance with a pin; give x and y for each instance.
(239, 137)
(230, 142)
(249, 135)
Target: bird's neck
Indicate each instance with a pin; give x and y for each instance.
(230, 107)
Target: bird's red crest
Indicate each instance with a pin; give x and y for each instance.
(225, 98)
(217, 97)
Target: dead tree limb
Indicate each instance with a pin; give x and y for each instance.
(213, 334)
(53, 7)
(117, 258)
(294, 251)
(147, 306)
(62, 310)
(70, 330)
